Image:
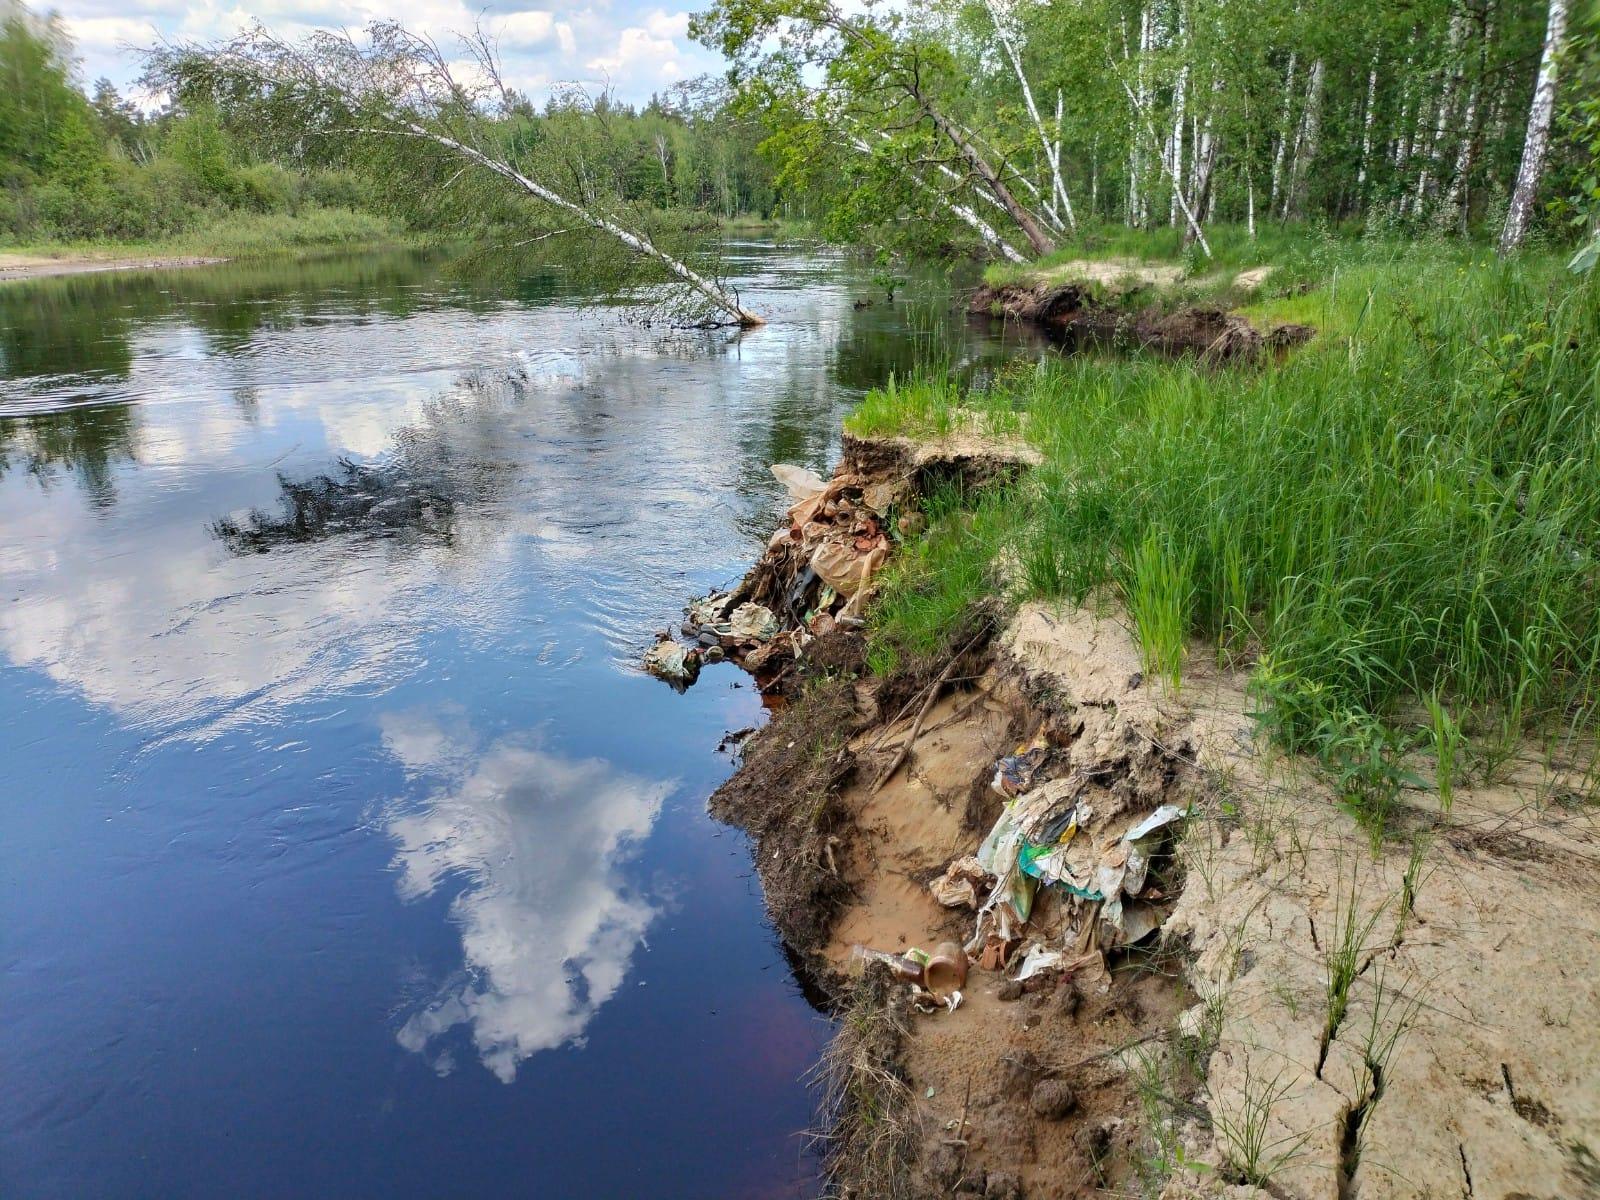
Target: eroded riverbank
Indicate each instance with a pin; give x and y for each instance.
(1303, 1012)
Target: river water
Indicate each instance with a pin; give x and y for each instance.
(346, 851)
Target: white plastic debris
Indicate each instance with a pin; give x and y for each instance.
(802, 484)
(1038, 958)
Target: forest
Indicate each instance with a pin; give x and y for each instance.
(1005, 129)
(91, 165)
(1475, 118)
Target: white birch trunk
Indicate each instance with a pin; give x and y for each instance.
(1283, 133)
(1140, 208)
(962, 212)
(1055, 165)
(1205, 159)
(1428, 176)
(1306, 143)
(1459, 201)
(1407, 137)
(1427, 118)
(1366, 135)
(1188, 213)
(1179, 100)
(713, 292)
(1537, 142)
(1059, 189)
(1455, 200)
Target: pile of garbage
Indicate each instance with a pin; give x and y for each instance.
(936, 979)
(814, 578)
(1049, 842)
(1049, 839)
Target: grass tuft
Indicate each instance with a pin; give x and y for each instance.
(867, 1109)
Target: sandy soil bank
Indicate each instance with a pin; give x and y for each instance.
(1315, 1016)
(35, 266)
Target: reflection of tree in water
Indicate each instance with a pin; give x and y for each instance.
(375, 501)
(83, 325)
(447, 461)
(87, 441)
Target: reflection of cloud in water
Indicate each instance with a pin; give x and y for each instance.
(143, 610)
(548, 924)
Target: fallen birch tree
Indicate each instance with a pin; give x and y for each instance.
(392, 105)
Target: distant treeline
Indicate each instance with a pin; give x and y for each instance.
(94, 166)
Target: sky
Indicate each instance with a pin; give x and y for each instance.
(634, 47)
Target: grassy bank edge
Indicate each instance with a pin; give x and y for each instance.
(1391, 529)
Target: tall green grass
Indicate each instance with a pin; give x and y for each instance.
(936, 581)
(1404, 514)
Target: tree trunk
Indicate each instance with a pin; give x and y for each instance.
(717, 295)
(1179, 100)
(1459, 202)
(1059, 189)
(1306, 144)
(1283, 134)
(1205, 160)
(1055, 166)
(1037, 238)
(1177, 188)
(1094, 178)
(1428, 177)
(1366, 135)
(1455, 200)
(963, 212)
(1139, 188)
(1531, 170)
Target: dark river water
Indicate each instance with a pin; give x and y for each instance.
(345, 850)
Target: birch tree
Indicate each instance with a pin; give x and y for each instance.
(1233, 110)
(1281, 146)
(1052, 149)
(392, 101)
(1307, 142)
(1537, 141)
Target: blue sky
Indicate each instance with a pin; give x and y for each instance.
(633, 46)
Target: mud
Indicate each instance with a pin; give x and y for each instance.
(1020, 1091)
(1023, 1090)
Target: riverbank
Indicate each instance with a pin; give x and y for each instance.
(1333, 609)
(236, 236)
(36, 266)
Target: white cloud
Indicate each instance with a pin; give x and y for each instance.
(637, 48)
(548, 923)
(525, 29)
(110, 35)
(640, 56)
(668, 25)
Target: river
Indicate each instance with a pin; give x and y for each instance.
(346, 850)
